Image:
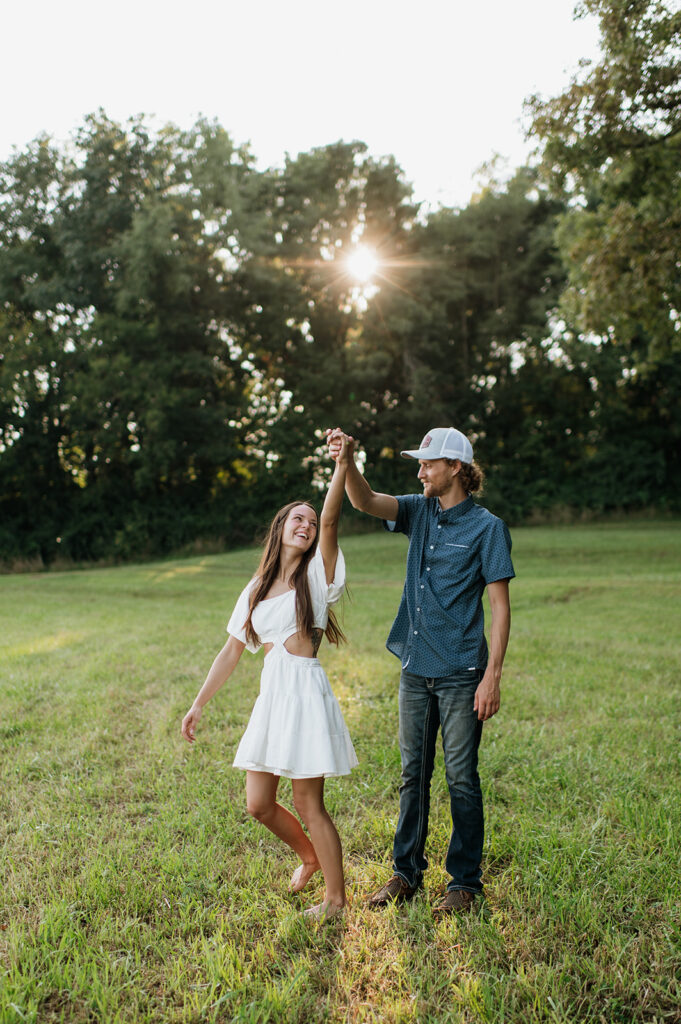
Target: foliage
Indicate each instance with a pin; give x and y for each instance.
(122, 381)
(177, 327)
(473, 289)
(297, 318)
(578, 429)
(163, 303)
(612, 144)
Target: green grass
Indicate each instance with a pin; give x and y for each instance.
(135, 888)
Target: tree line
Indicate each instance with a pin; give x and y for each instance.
(176, 326)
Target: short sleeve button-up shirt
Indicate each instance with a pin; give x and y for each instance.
(453, 554)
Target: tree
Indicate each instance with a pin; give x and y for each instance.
(298, 316)
(612, 145)
(175, 324)
(176, 327)
(116, 336)
(469, 289)
(35, 492)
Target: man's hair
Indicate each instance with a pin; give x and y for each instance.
(471, 476)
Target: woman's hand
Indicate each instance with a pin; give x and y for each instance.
(190, 722)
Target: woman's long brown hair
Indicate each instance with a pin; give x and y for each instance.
(267, 573)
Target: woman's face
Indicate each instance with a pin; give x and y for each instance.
(300, 528)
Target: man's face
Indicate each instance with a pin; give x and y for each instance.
(437, 476)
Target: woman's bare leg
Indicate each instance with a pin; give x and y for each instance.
(308, 800)
(261, 802)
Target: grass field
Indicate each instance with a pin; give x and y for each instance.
(135, 888)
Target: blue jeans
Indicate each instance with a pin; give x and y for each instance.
(425, 705)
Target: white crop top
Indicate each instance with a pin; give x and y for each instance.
(275, 618)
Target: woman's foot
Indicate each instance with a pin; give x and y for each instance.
(324, 912)
(302, 875)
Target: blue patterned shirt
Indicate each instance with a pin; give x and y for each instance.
(453, 554)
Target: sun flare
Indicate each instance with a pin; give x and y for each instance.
(362, 264)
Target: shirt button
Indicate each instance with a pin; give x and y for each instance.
(418, 609)
(439, 527)
(431, 547)
(422, 586)
(416, 632)
(427, 568)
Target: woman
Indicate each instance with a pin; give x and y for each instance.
(296, 729)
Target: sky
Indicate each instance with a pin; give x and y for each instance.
(439, 84)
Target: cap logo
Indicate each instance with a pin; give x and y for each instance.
(426, 441)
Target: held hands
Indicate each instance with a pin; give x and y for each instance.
(341, 445)
(190, 721)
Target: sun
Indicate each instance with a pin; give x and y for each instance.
(362, 264)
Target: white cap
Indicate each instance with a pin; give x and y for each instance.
(443, 443)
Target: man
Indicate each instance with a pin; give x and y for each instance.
(449, 680)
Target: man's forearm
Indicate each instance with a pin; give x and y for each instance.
(500, 629)
(356, 486)
(498, 642)
(487, 696)
(361, 496)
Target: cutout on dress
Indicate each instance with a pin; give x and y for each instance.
(297, 637)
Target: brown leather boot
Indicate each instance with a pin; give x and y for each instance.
(395, 890)
(455, 901)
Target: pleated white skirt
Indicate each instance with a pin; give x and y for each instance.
(296, 728)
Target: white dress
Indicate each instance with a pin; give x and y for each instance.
(296, 728)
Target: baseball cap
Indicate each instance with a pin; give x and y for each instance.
(443, 443)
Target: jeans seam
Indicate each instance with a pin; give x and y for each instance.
(424, 755)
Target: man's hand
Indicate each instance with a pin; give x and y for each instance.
(487, 697)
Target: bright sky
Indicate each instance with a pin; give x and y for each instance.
(439, 84)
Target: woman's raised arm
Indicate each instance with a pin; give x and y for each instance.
(329, 519)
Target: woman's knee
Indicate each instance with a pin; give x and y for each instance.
(261, 795)
(308, 804)
(258, 808)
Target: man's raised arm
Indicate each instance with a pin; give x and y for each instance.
(342, 449)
